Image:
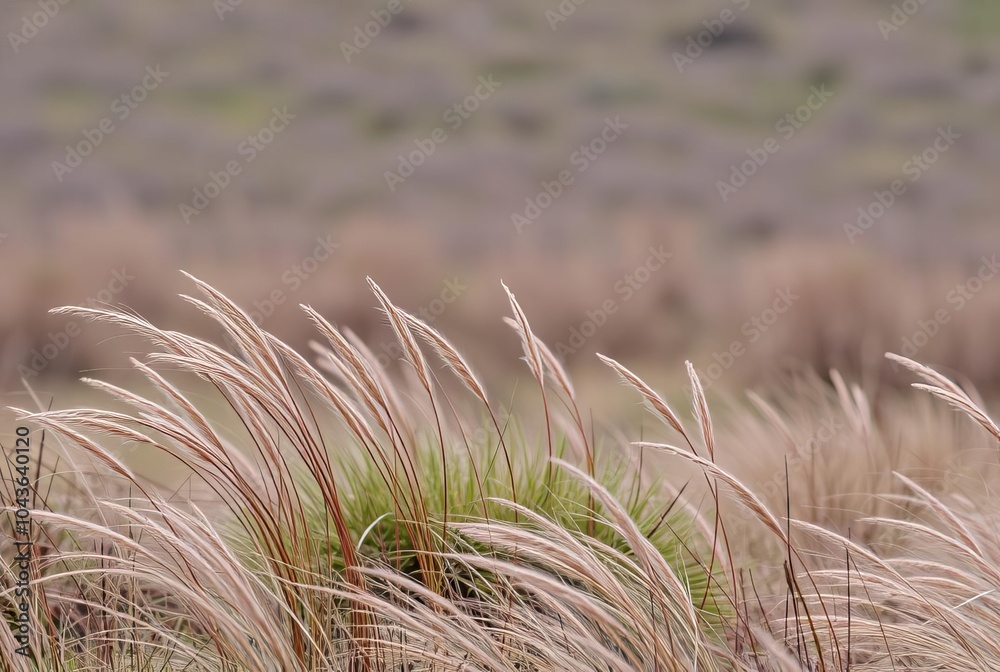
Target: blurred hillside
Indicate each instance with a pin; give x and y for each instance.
(839, 105)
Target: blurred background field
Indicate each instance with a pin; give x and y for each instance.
(312, 214)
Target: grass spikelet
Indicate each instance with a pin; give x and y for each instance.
(528, 342)
(701, 411)
(945, 389)
(448, 353)
(404, 335)
(655, 401)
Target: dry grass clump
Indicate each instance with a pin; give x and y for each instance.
(339, 518)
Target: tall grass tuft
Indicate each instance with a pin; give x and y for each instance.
(335, 517)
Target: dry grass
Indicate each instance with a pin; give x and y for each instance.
(856, 302)
(361, 521)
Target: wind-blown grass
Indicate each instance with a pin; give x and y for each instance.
(338, 518)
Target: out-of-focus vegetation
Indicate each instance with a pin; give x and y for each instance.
(323, 176)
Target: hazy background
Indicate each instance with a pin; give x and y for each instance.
(112, 228)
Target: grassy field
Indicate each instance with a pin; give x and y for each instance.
(683, 446)
(656, 185)
(337, 517)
